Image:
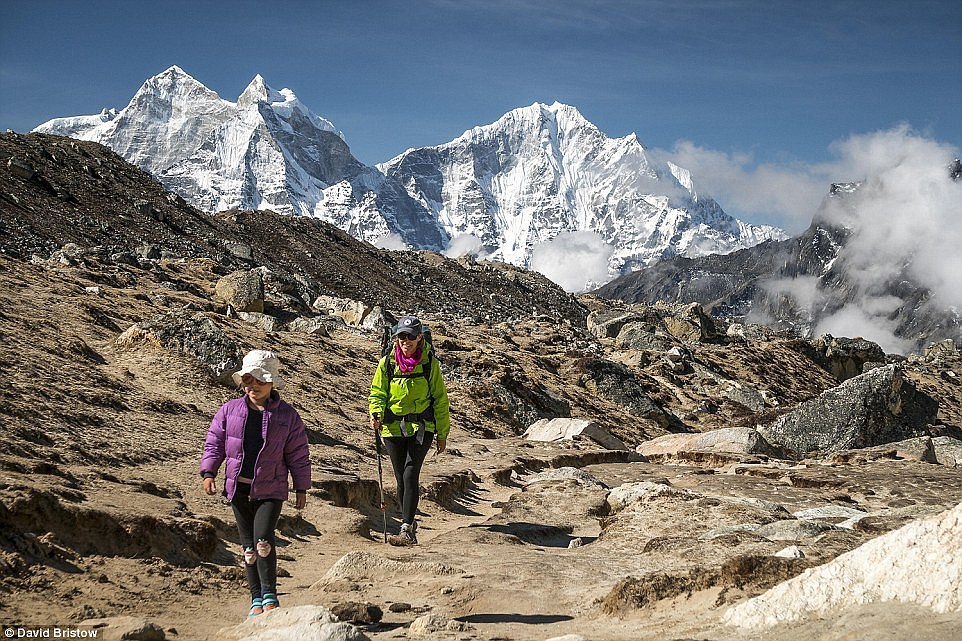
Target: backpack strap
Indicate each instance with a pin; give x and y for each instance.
(426, 369)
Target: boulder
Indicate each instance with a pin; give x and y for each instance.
(641, 336)
(564, 429)
(357, 613)
(624, 495)
(301, 623)
(745, 395)
(266, 322)
(833, 514)
(845, 357)
(948, 451)
(920, 563)
(689, 324)
(240, 250)
(791, 552)
(191, 334)
(729, 440)
(945, 347)
(429, 624)
(353, 312)
(242, 290)
(378, 318)
(871, 409)
(615, 382)
(608, 323)
(912, 449)
(320, 325)
(124, 628)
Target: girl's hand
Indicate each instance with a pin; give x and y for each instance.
(300, 500)
(209, 486)
(442, 443)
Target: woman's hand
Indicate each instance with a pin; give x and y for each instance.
(300, 500)
(209, 486)
(442, 443)
(376, 423)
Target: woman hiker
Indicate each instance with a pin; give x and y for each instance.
(409, 409)
(263, 441)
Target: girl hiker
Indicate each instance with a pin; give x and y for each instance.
(263, 440)
(409, 409)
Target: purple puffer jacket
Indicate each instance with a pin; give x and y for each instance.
(284, 451)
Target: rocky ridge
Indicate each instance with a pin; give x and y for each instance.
(706, 499)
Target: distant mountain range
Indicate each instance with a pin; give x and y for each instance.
(802, 282)
(537, 172)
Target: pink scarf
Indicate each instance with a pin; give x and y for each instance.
(405, 364)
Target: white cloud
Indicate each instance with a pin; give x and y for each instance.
(576, 261)
(907, 213)
(463, 244)
(390, 241)
(853, 320)
(905, 221)
(782, 195)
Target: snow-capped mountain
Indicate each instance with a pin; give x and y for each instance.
(537, 172)
(266, 151)
(542, 170)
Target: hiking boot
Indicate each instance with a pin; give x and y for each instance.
(270, 602)
(405, 537)
(249, 557)
(257, 607)
(263, 548)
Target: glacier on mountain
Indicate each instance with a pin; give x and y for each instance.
(537, 172)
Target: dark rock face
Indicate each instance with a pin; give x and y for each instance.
(616, 383)
(874, 408)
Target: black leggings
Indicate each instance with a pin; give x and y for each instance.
(407, 456)
(257, 520)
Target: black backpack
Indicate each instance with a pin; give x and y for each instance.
(387, 345)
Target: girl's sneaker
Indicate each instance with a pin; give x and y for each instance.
(263, 548)
(270, 602)
(249, 556)
(405, 537)
(257, 607)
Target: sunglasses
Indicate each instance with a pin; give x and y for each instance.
(407, 337)
(251, 381)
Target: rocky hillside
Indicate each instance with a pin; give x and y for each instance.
(735, 457)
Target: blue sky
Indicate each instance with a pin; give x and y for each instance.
(753, 82)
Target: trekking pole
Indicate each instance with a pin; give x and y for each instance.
(380, 480)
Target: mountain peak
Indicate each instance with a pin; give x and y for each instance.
(174, 84)
(173, 75)
(258, 91)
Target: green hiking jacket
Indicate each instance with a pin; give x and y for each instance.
(411, 396)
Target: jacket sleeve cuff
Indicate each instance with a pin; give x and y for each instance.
(207, 475)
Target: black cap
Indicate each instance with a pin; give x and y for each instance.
(408, 325)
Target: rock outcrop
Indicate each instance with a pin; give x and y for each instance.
(560, 429)
(920, 563)
(874, 408)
